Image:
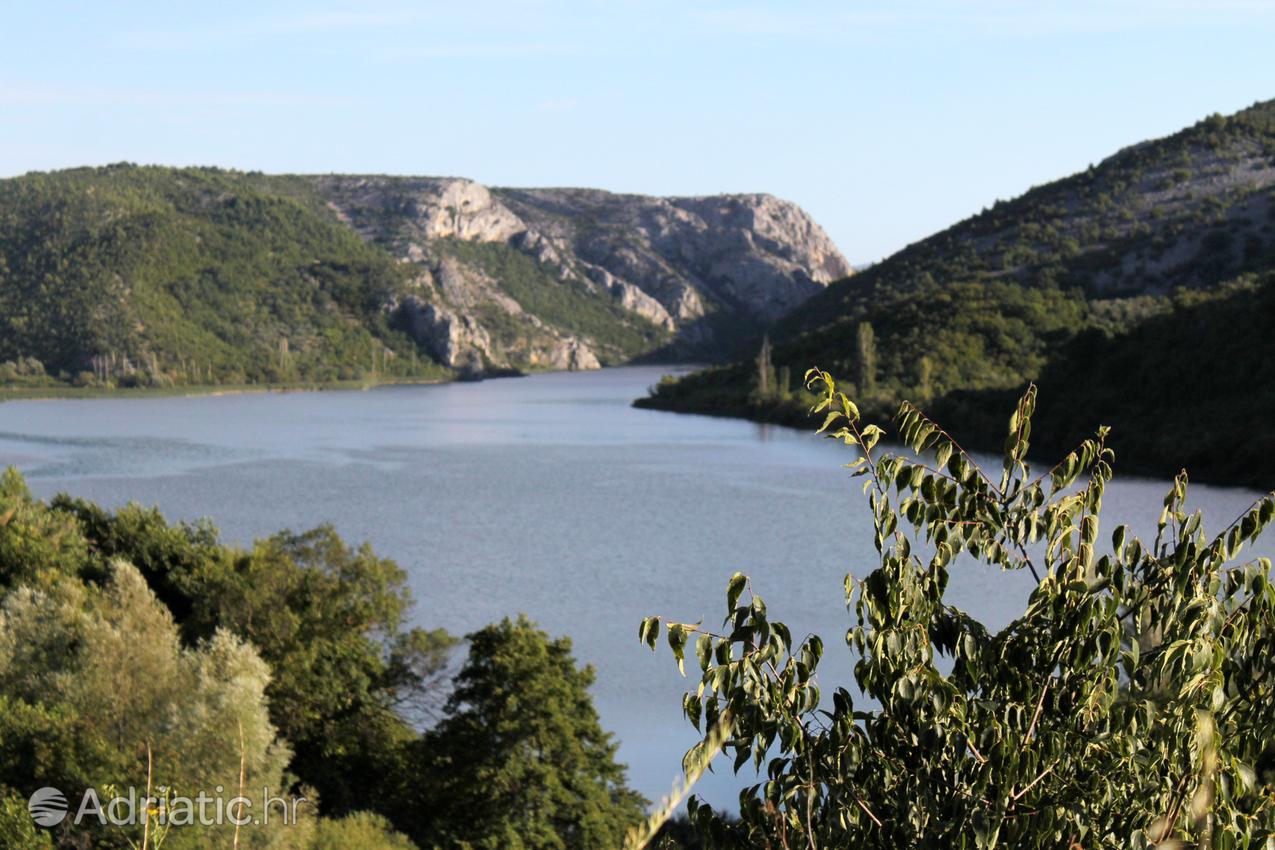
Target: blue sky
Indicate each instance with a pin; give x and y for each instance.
(887, 121)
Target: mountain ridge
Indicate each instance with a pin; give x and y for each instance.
(157, 275)
(1000, 298)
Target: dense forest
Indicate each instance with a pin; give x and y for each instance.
(129, 276)
(1160, 236)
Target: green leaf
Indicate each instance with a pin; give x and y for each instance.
(734, 588)
(677, 637)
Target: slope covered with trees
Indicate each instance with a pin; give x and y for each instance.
(153, 276)
(1192, 386)
(1017, 292)
(128, 275)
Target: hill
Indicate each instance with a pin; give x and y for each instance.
(149, 275)
(1044, 287)
(564, 278)
(128, 275)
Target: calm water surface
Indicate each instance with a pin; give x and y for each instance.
(547, 495)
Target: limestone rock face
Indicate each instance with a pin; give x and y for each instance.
(756, 253)
(454, 340)
(390, 210)
(463, 209)
(579, 278)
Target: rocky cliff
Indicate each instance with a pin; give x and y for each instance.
(575, 278)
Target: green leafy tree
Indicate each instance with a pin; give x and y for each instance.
(350, 677)
(520, 760)
(90, 678)
(1130, 705)
(118, 630)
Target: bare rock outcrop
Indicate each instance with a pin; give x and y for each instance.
(755, 253)
(398, 211)
(638, 273)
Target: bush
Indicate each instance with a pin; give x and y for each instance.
(1130, 705)
(17, 829)
(359, 831)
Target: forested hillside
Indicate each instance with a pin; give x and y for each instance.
(153, 276)
(126, 275)
(1048, 286)
(1194, 383)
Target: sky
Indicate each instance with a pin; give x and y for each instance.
(886, 121)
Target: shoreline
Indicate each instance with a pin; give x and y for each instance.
(60, 392)
(69, 393)
(1159, 471)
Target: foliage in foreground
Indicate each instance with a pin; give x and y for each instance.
(346, 674)
(1130, 705)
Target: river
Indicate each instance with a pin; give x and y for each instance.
(548, 495)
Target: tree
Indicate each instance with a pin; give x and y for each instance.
(89, 679)
(766, 382)
(520, 759)
(328, 618)
(1131, 704)
(925, 378)
(361, 831)
(866, 349)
